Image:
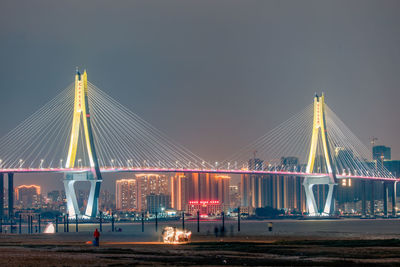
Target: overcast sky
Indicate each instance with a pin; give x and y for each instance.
(212, 75)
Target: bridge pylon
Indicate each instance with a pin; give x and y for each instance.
(319, 134)
(82, 115)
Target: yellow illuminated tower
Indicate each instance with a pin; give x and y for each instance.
(319, 133)
(81, 118)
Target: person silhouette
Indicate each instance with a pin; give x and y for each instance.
(96, 235)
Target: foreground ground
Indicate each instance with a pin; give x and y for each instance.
(236, 249)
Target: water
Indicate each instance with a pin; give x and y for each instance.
(374, 228)
(368, 228)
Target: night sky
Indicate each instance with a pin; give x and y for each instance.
(212, 75)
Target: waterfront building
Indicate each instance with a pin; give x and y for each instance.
(381, 153)
(28, 196)
(205, 207)
(158, 203)
(186, 187)
(126, 195)
(131, 193)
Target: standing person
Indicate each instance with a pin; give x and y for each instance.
(270, 226)
(96, 235)
(216, 231)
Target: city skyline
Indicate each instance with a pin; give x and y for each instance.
(201, 108)
(204, 133)
(118, 140)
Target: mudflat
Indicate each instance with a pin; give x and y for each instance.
(71, 249)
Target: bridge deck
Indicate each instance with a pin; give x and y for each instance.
(164, 170)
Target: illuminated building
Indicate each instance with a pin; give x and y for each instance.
(28, 195)
(106, 200)
(234, 196)
(223, 194)
(245, 191)
(186, 187)
(126, 194)
(55, 196)
(81, 198)
(147, 184)
(205, 207)
(131, 193)
(178, 191)
(251, 185)
(158, 203)
(381, 153)
(279, 192)
(393, 166)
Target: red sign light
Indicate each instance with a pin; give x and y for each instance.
(204, 202)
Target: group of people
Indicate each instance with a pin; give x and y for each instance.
(217, 231)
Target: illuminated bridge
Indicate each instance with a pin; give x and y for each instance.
(83, 132)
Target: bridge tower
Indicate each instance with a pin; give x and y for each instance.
(319, 133)
(82, 115)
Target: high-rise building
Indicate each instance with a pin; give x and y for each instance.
(381, 153)
(82, 198)
(56, 199)
(234, 196)
(186, 187)
(106, 200)
(131, 193)
(290, 161)
(149, 183)
(245, 190)
(126, 194)
(256, 164)
(28, 195)
(55, 196)
(280, 192)
(178, 191)
(393, 166)
(158, 203)
(223, 194)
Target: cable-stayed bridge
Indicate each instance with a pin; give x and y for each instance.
(83, 132)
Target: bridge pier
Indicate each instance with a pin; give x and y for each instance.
(1, 195)
(385, 199)
(364, 200)
(312, 207)
(72, 203)
(394, 199)
(372, 202)
(10, 195)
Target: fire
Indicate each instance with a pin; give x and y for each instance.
(172, 235)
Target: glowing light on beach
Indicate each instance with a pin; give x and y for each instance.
(50, 229)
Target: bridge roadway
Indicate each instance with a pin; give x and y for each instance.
(168, 170)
